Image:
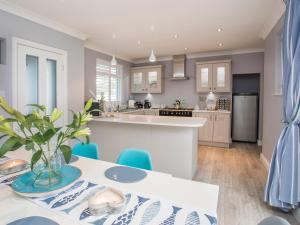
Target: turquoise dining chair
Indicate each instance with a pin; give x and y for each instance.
(137, 158)
(86, 150)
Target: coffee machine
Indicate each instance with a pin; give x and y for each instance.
(147, 104)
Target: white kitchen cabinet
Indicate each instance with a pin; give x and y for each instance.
(204, 77)
(213, 76)
(147, 79)
(221, 77)
(138, 82)
(216, 131)
(221, 127)
(205, 133)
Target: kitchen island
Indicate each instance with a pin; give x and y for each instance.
(171, 141)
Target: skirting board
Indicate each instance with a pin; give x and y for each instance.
(259, 142)
(214, 144)
(264, 161)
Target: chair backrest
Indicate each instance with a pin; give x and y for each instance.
(86, 150)
(137, 158)
(274, 220)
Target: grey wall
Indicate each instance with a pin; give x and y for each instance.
(272, 114)
(14, 26)
(90, 73)
(241, 64)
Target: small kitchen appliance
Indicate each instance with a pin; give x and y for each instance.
(147, 104)
(138, 105)
(131, 104)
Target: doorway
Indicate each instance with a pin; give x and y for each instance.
(39, 77)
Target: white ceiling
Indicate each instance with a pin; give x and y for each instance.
(244, 23)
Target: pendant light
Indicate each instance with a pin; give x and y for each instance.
(152, 57)
(113, 61)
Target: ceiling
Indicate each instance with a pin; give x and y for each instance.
(116, 26)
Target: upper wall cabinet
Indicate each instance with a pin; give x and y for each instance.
(146, 79)
(213, 76)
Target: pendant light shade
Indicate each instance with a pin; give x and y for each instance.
(152, 57)
(113, 61)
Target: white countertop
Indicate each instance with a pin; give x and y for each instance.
(154, 120)
(211, 111)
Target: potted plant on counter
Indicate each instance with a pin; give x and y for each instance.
(37, 132)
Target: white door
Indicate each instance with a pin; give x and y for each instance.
(221, 128)
(40, 79)
(204, 78)
(221, 77)
(205, 133)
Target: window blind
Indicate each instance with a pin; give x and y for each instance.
(108, 81)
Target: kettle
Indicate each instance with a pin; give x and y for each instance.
(147, 104)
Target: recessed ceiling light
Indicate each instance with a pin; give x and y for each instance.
(114, 36)
(220, 30)
(220, 44)
(139, 42)
(185, 48)
(152, 27)
(175, 36)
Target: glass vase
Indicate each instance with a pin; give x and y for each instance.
(48, 169)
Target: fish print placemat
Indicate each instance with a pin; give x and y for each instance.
(140, 209)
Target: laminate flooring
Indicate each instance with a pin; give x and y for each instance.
(241, 177)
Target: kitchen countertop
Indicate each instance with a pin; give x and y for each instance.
(154, 120)
(208, 111)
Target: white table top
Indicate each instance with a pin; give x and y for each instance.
(196, 194)
(154, 120)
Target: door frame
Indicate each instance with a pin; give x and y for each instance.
(16, 42)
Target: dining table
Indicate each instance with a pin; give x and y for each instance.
(198, 196)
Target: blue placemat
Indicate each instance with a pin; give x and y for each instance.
(24, 184)
(33, 220)
(125, 174)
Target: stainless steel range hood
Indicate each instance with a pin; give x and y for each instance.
(179, 68)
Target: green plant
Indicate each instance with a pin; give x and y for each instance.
(37, 131)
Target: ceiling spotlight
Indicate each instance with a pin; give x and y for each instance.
(220, 30)
(220, 44)
(175, 36)
(185, 48)
(152, 27)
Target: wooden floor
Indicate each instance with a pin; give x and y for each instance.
(241, 177)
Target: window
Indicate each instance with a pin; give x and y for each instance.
(108, 81)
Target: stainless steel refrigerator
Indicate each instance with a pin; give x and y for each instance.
(245, 117)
